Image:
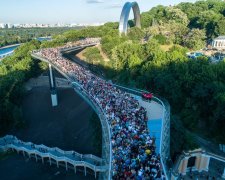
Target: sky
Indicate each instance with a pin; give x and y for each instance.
(70, 11)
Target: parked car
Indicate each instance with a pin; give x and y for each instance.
(147, 96)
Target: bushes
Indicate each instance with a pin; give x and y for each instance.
(161, 39)
(93, 55)
(14, 71)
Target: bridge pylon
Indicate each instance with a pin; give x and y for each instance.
(223, 176)
(52, 83)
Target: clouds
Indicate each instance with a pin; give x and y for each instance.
(94, 1)
(114, 6)
(108, 4)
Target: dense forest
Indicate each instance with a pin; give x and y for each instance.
(14, 71)
(152, 58)
(22, 35)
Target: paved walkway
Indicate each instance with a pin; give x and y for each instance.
(154, 109)
(155, 115)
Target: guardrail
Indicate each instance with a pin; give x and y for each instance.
(72, 157)
(73, 48)
(105, 126)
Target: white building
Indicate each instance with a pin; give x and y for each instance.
(2, 25)
(219, 42)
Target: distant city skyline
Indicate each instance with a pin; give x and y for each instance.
(70, 11)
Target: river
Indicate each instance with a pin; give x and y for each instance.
(8, 50)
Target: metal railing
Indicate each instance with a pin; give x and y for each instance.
(74, 158)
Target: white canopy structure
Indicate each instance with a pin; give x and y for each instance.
(219, 42)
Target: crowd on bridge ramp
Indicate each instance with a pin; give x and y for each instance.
(133, 150)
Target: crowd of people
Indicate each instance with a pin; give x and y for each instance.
(133, 150)
(81, 42)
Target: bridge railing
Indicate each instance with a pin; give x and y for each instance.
(75, 159)
(12, 139)
(106, 152)
(73, 48)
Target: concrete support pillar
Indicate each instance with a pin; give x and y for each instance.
(85, 171)
(198, 161)
(66, 166)
(42, 160)
(50, 161)
(201, 163)
(57, 164)
(95, 172)
(36, 157)
(54, 97)
(207, 160)
(183, 166)
(75, 169)
(204, 163)
(23, 153)
(223, 176)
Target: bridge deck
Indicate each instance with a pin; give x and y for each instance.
(155, 116)
(154, 109)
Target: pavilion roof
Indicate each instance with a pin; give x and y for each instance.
(220, 38)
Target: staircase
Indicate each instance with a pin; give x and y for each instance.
(53, 155)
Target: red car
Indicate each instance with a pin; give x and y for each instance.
(147, 96)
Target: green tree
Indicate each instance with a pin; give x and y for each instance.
(195, 39)
(135, 33)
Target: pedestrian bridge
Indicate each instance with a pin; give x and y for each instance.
(161, 111)
(157, 111)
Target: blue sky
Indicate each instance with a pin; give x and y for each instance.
(69, 11)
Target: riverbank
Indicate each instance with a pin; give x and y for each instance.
(9, 46)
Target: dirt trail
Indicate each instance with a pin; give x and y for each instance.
(105, 58)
